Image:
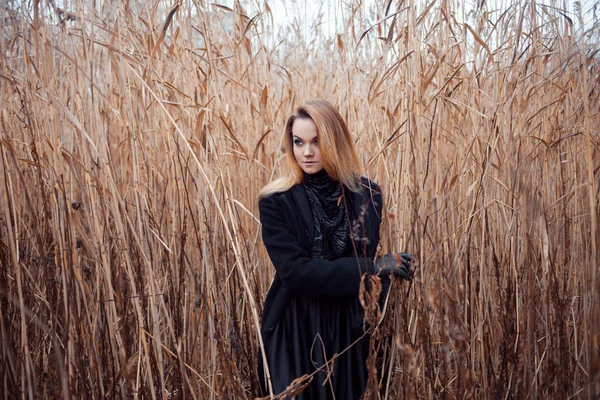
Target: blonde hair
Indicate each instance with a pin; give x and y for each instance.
(335, 144)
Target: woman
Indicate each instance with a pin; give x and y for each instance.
(320, 226)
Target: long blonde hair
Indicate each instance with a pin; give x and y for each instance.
(335, 144)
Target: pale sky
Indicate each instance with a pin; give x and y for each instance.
(307, 11)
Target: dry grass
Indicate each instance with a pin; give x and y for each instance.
(134, 143)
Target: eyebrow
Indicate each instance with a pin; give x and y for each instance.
(298, 137)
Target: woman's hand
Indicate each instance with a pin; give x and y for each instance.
(398, 264)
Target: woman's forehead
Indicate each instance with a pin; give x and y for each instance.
(304, 128)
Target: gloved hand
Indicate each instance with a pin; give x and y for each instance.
(398, 264)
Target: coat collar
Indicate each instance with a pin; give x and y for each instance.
(301, 198)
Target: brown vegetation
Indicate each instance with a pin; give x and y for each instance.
(133, 144)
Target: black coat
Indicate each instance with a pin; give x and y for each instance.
(287, 231)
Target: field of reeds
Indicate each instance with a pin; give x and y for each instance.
(135, 136)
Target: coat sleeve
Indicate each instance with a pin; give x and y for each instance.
(296, 269)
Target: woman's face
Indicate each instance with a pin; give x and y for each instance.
(306, 146)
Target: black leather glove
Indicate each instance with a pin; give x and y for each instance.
(398, 264)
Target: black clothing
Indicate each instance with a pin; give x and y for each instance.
(312, 309)
(329, 215)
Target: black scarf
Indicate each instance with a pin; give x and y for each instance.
(329, 215)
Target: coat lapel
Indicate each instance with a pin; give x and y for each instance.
(301, 198)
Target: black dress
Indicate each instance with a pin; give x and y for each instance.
(312, 311)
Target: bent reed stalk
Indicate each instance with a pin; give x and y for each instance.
(135, 137)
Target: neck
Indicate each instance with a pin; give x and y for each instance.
(322, 184)
(317, 175)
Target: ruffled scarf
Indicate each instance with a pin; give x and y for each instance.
(329, 215)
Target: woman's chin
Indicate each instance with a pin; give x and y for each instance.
(312, 169)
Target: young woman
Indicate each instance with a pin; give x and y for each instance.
(320, 226)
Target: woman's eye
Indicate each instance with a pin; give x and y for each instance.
(298, 142)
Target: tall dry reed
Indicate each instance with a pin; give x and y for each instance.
(135, 138)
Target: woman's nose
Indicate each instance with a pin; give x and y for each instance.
(308, 150)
